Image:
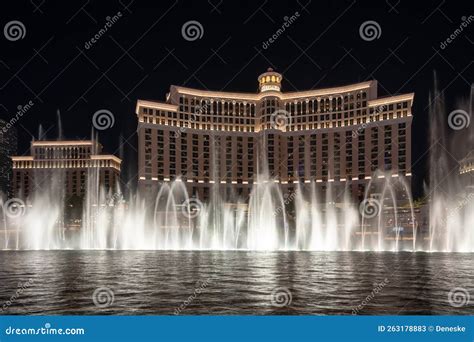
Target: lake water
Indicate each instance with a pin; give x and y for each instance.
(235, 282)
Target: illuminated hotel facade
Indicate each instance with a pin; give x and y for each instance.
(339, 135)
(74, 161)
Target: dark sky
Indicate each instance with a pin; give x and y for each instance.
(144, 52)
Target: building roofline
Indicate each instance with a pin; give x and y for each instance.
(106, 156)
(21, 158)
(62, 142)
(391, 99)
(281, 95)
(156, 105)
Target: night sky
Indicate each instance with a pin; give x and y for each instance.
(144, 52)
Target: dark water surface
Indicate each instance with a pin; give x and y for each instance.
(239, 282)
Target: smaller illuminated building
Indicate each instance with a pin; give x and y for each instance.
(71, 160)
(466, 169)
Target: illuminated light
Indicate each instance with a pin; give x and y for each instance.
(343, 179)
(391, 99)
(259, 96)
(245, 182)
(368, 177)
(276, 181)
(200, 181)
(395, 175)
(355, 178)
(189, 180)
(284, 182)
(381, 176)
(71, 143)
(166, 179)
(178, 179)
(142, 178)
(319, 180)
(307, 181)
(154, 178)
(270, 87)
(211, 181)
(223, 181)
(330, 180)
(408, 174)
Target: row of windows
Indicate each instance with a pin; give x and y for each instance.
(196, 155)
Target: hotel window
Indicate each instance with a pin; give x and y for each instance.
(361, 154)
(374, 151)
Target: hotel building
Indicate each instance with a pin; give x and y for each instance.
(72, 160)
(339, 135)
(466, 170)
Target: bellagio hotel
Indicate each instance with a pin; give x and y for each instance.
(341, 135)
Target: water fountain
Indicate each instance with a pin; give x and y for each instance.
(306, 219)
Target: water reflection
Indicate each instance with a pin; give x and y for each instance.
(158, 282)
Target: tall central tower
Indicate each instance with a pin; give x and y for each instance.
(270, 81)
